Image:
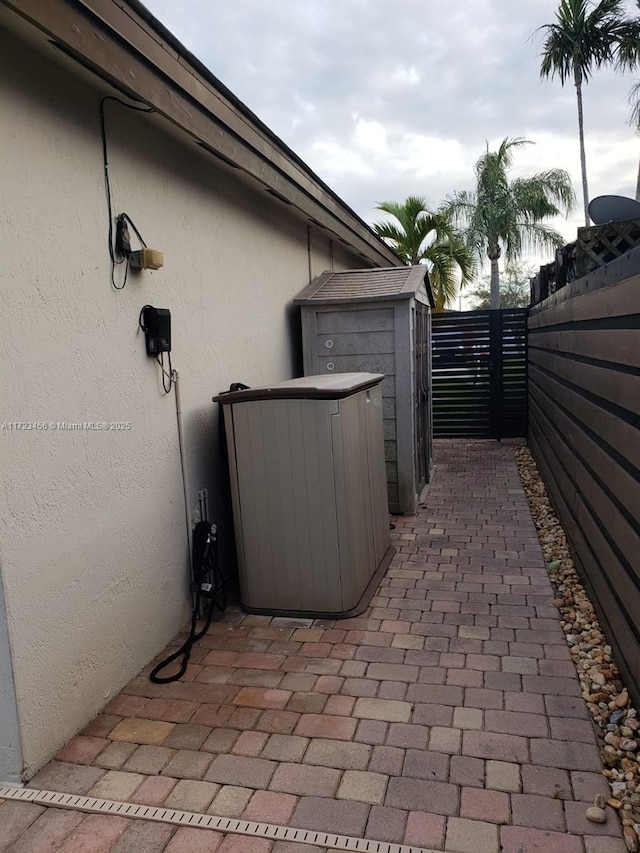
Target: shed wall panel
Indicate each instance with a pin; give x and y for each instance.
(355, 343)
(361, 320)
(377, 337)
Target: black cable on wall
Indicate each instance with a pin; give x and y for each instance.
(107, 185)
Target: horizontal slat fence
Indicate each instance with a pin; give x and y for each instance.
(460, 374)
(479, 374)
(584, 433)
(513, 377)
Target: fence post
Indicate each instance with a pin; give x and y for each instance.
(495, 372)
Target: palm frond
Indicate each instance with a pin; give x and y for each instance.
(460, 205)
(543, 195)
(634, 103)
(421, 235)
(466, 214)
(628, 52)
(586, 36)
(414, 224)
(507, 146)
(389, 231)
(503, 217)
(541, 237)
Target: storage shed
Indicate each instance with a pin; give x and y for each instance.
(378, 321)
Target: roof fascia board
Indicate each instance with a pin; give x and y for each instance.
(106, 36)
(420, 276)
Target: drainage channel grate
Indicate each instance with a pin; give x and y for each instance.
(201, 821)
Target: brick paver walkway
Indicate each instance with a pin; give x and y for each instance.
(448, 716)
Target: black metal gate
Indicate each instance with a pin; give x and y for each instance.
(480, 374)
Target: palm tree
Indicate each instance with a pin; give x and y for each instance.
(634, 121)
(586, 36)
(420, 235)
(514, 288)
(507, 216)
(629, 58)
(634, 103)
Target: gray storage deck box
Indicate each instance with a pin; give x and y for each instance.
(378, 320)
(306, 459)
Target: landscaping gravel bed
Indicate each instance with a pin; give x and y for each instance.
(615, 718)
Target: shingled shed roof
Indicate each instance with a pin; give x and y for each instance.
(369, 285)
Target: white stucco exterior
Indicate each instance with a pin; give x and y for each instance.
(92, 529)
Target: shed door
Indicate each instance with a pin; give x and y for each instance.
(422, 396)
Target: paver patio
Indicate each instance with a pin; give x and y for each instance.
(448, 716)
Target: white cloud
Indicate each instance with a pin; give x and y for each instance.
(424, 156)
(370, 136)
(336, 160)
(405, 75)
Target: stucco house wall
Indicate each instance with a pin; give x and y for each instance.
(92, 524)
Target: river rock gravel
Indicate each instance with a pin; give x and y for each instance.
(615, 718)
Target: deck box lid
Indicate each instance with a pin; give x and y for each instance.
(333, 387)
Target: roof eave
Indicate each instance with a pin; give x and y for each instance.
(124, 44)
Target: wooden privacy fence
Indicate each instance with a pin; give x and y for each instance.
(584, 432)
(479, 374)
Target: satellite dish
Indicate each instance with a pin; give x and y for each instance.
(613, 208)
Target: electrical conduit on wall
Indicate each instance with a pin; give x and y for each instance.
(175, 378)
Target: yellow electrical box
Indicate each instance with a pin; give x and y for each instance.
(147, 259)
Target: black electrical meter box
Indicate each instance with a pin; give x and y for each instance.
(156, 325)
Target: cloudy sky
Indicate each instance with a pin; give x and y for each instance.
(386, 98)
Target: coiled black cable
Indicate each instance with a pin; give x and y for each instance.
(205, 564)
